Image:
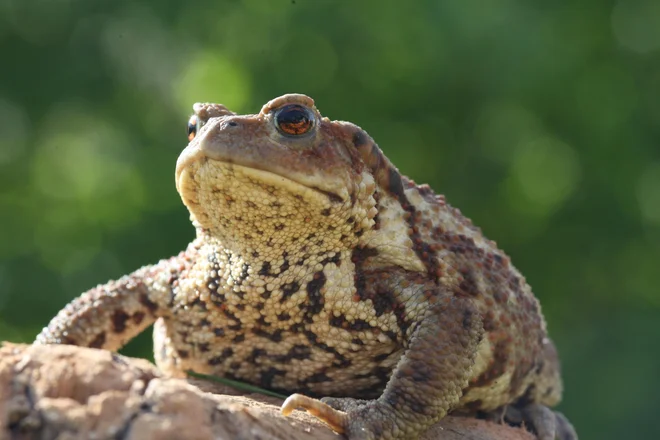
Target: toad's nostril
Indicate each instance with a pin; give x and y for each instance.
(227, 124)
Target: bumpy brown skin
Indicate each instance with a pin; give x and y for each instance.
(319, 269)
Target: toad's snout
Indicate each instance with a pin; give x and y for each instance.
(216, 140)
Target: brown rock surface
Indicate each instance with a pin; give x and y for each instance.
(65, 393)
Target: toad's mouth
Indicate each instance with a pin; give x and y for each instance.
(219, 176)
(197, 166)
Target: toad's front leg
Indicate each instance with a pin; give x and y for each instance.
(427, 382)
(110, 315)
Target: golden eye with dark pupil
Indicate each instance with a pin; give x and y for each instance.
(294, 120)
(192, 127)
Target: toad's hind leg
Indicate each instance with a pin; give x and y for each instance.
(565, 429)
(546, 423)
(427, 382)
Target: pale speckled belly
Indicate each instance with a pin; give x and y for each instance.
(293, 360)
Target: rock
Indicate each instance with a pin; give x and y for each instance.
(64, 392)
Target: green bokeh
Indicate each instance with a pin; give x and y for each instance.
(541, 122)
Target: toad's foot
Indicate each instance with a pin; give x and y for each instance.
(337, 420)
(362, 419)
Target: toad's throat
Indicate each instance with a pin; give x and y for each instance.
(248, 209)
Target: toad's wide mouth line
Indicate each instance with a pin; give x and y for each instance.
(261, 174)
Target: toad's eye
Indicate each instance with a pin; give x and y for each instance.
(192, 127)
(294, 120)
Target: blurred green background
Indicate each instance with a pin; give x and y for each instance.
(542, 123)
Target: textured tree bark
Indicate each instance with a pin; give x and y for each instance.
(65, 392)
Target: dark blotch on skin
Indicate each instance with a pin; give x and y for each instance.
(539, 366)
(119, 318)
(382, 373)
(256, 353)
(359, 139)
(527, 397)
(360, 254)
(383, 302)
(226, 353)
(396, 185)
(137, 317)
(500, 295)
(359, 324)
(267, 377)
(145, 301)
(548, 392)
(474, 405)
(381, 357)
(497, 368)
(334, 198)
(469, 284)
(276, 336)
(467, 319)
(289, 289)
(265, 270)
(401, 319)
(313, 339)
(338, 321)
(66, 340)
(98, 341)
(217, 298)
(334, 259)
(231, 316)
(520, 373)
(300, 352)
(314, 293)
(340, 361)
(318, 377)
(311, 336)
(392, 335)
(489, 322)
